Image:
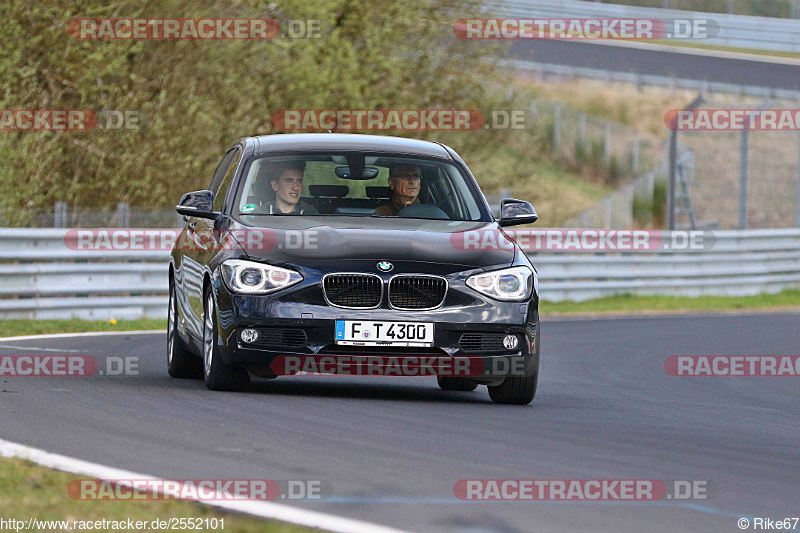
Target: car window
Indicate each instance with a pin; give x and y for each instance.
(216, 179)
(390, 185)
(225, 182)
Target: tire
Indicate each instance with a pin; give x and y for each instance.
(515, 390)
(181, 363)
(458, 384)
(217, 375)
(519, 390)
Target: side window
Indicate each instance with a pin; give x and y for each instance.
(225, 182)
(220, 171)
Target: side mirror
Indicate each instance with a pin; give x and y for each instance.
(514, 212)
(197, 204)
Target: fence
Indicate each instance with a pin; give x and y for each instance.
(743, 179)
(740, 264)
(762, 33)
(722, 179)
(41, 278)
(584, 139)
(66, 216)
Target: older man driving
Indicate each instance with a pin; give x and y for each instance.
(404, 181)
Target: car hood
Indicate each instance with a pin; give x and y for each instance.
(320, 242)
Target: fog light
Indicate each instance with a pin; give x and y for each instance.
(249, 335)
(511, 342)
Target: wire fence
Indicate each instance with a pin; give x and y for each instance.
(734, 179)
(585, 140)
(62, 215)
(744, 179)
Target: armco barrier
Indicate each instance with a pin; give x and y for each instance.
(739, 31)
(703, 86)
(40, 277)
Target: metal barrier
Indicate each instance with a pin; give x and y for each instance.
(739, 266)
(41, 278)
(638, 79)
(737, 31)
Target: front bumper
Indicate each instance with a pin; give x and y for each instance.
(298, 322)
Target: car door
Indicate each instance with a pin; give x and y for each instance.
(200, 233)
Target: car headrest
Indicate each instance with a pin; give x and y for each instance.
(335, 191)
(262, 190)
(379, 192)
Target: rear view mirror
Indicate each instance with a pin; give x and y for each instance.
(514, 212)
(367, 174)
(197, 204)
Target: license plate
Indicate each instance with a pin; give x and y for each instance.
(369, 333)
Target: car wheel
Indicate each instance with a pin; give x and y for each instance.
(518, 390)
(515, 390)
(218, 375)
(180, 362)
(459, 384)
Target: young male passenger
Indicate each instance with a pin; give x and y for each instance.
(287, 182)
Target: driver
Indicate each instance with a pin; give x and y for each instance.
(404, 181)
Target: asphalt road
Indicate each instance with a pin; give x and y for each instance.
(393, 448)
(658, 62)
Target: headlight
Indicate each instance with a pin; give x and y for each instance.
(248, 277)
(510, 284)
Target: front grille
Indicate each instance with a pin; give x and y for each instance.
(358, 291)
(417, 292)
(280, 337)
(482, 342)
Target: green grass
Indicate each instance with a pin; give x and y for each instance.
(556, 193)
(31, 491)
(625, 304)
(13, 328)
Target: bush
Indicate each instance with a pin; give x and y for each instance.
(642, 210)
(659, 204)
(197, 97)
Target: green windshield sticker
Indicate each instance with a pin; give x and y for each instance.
(248, 208)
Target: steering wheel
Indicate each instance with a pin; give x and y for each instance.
(423, 211)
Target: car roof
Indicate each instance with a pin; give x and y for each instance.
(302, 142)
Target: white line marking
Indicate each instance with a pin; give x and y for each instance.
(35, 349)
(717, 313)
(85, 334)
(274, 511)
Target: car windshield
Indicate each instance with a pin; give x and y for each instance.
(353, 184)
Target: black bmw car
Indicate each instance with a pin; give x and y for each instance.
(329, 253)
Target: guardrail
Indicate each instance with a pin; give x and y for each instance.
(41, 278)
(639, 79)
(740, 31)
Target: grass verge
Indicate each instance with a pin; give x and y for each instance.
(556, 193)
(30, 491)
(14, 328)
(621, 304)
(628, 304)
